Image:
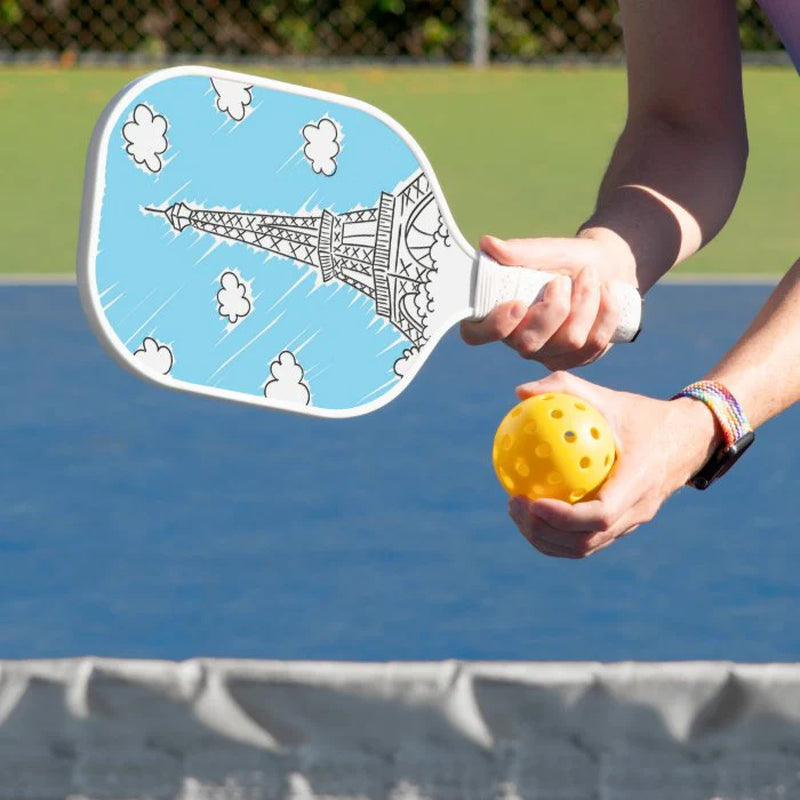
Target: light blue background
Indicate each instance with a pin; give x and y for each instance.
(157, 283)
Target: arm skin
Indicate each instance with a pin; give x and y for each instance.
(679, 164)
(763, 369)
(662, 443)
(674, 142)
(670, 186)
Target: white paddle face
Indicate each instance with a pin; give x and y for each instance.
(254, 241)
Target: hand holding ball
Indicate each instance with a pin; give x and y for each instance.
(553, 445)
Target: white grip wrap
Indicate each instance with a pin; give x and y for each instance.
(496, 283)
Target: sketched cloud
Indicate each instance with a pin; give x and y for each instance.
(233, 98)
(423, 303)
(322, 145)
(232, 299)
(287, 383)
(407, 362)
(154, 357)
(145, 134)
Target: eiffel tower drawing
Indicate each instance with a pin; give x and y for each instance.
(387, 252)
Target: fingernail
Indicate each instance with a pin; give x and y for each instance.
(516, 507)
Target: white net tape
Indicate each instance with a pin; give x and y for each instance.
(100, 729)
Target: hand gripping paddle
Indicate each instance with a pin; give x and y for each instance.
(272, 244)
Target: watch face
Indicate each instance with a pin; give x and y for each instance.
(722, 461)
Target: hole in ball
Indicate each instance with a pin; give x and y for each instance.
(595, 433)
(576, 494)
(580, 406)
(585, 462)
(606, 460)
(556, 413)
(570, 436)
(515, 412)
(543, 450)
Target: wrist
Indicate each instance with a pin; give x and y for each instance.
(732, 425)
(618, 263)
(700, 435)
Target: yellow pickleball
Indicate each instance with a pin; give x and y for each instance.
(553, 445)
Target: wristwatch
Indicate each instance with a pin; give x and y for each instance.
(735, 428)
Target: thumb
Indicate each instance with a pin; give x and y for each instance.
(566, 382)
(569, 256)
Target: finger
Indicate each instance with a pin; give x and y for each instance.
(579, 544)
(552, 254)
(548, 548)
(571, 360)
(605, 324)
(543, 318)
(560, 381)
(544, 537)
(584, 306)
(598, 341)
(589, 516)
(616, 508)
(553, 552)
(499, 323)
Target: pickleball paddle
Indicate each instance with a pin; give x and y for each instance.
(255, 241)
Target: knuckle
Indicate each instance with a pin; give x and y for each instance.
(609, 303)
(573, 339)
(559, 307)
(494, 328)
(528, 346)
(562, 376)
(597, 341)
(537, 545)
(584, 289)
(605, 520)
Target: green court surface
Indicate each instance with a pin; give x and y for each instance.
(519, 152)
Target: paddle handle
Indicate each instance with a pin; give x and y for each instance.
(496, 283)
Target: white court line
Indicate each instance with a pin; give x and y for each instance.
(688, 279)
(723, 279)
(34, 279)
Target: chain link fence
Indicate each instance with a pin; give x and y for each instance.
(444, 30)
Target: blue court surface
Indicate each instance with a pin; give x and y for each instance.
(144, 523)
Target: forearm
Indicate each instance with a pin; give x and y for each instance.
(763, 369)
(676, 171)
(666, 193)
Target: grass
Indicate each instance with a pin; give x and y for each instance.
(519, 152)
